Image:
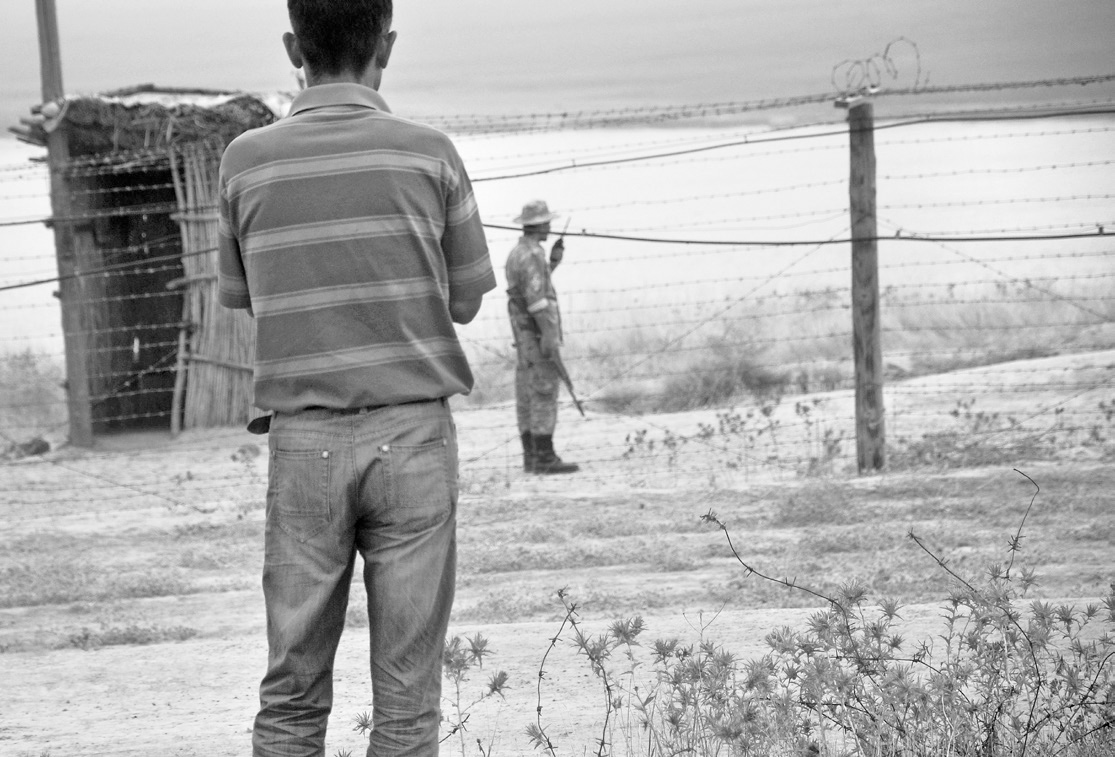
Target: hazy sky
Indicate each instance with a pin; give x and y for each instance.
(486, 56)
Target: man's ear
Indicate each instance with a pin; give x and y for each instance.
(293, 49)
(383, 49)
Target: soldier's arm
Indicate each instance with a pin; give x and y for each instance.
(557, 252)
(543, 310)
(535, 278)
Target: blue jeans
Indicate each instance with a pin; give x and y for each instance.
(383, 482)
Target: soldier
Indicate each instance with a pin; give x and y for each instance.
(536, 325)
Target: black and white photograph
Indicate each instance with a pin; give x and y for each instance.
(601, 378)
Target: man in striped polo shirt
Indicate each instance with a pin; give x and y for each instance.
(353, 238)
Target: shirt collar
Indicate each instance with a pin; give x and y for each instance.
(343, 93)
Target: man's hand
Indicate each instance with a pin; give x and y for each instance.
(557, 252)
(463, 311)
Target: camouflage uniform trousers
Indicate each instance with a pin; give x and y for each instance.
(536, 386)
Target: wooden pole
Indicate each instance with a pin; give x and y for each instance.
(179, 380)
(867, 345)
(62, 210)
(50, 53)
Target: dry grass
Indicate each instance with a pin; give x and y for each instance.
(129, 635)
(512, 553)
(681, 356)
(713, 351)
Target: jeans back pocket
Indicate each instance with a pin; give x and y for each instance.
(421, 485)
(298, 491)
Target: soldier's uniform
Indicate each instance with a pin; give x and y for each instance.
(533, 309)
(532, 305)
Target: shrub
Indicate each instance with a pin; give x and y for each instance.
(34, 401)
(998, 682)
(1003, 679)
(720, 377)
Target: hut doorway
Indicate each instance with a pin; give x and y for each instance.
(147, 345)
(133, 335)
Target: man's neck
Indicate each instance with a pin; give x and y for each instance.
(371, 78)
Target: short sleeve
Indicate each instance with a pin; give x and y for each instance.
(463, 242)
(232, 281)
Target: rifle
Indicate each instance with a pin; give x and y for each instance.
(559, 241)
(556, 359)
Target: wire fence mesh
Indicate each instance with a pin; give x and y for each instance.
(705, 295)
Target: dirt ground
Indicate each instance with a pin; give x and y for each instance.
(147, 535)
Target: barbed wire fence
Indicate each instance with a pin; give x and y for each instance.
(705, 295)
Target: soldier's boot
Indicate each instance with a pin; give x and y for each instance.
(528, 451)
(546, 460)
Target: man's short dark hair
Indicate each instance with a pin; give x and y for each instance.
(339, 35)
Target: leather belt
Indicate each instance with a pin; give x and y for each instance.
(350, 410)
(262, 424)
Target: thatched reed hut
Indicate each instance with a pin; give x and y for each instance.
(141, 183)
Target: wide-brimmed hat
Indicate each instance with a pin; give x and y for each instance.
(534, 213)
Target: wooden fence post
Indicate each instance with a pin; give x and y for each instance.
(867, 345)
(63, 210)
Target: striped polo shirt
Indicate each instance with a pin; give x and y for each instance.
(347, 230)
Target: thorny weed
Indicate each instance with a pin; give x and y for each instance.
(363, 723)
(459, 656)
(976, 437)
(696, 702)
(980, 437)
(824, 442)
(363, 726)
(458, 659)
(999, 681)
(733, 427)
(736, 435)
(598, 651)
(536, 731)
